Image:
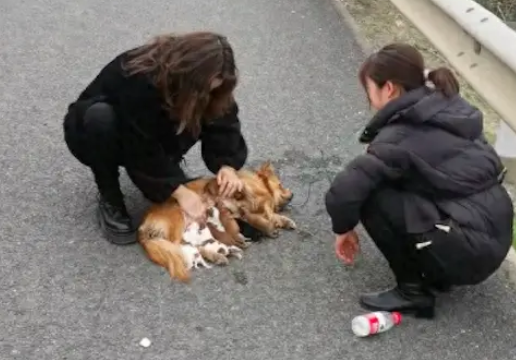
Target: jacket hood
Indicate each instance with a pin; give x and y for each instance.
(431, 108)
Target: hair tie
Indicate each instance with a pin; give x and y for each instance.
(428, 82)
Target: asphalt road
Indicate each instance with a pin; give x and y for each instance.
(65, 293)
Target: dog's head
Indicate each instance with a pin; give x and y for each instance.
(280, 194)
(232, 204)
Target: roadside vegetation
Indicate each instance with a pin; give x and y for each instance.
(504, 9)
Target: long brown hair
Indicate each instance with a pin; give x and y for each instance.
(182, 68)
(403, 65)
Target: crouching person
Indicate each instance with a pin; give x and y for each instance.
(428, 189)
(145, 110)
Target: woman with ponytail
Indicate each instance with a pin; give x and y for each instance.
(428, 189)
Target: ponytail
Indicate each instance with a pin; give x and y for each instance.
(444, 81)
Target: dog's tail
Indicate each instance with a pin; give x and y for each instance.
(164, 253)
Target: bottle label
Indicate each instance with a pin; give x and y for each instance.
(377, 322)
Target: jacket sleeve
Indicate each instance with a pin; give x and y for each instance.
(142, 111)
(351, 187)
(222, 142)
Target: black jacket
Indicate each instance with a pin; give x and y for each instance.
(432, 149)
(147, 133)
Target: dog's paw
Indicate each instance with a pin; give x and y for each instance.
(240, 244)
(244, 238)
(222, 260)
(202, 264)
(290, 224)
(207, 266)
(243, 242)
(236, 252)
(274, 234)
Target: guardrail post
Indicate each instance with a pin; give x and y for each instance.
(505, 143)
(505, 146)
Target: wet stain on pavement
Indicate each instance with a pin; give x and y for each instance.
(240, 277)
(304, 235)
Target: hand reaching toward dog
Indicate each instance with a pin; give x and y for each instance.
(192, 204)
(228, 181)
(346, 246)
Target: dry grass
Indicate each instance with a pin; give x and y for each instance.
(380, 23)
(505, 9)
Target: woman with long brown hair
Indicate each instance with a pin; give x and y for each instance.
(144, 110)
(428, 189)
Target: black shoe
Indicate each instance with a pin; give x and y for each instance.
(437, 285)
(116, 223)
(405, 298)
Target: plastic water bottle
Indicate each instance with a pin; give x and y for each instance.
(374, 323)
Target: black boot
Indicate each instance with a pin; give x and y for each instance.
(116, 222)
(437, 284)
(440, 286)
(405, 298)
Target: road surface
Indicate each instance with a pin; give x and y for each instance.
(65, 293)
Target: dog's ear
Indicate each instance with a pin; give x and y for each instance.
(212, 188)
(266, 169)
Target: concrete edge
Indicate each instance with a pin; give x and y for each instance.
(509, 265)
(352, 25)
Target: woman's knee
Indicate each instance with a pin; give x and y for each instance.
(385, 204)
(101, 136)
(100, 119)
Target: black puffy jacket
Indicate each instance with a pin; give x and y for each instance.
(432, 149)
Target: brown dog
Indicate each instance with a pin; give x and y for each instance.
(264, 196)
(176, 243)
(163, 228)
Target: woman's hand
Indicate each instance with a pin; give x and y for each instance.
(228, 181)
(346, 246)
(191, 203)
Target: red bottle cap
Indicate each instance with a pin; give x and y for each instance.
(396, 317)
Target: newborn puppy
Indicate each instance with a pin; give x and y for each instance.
(224, 227)
(209, 247)
(192, 257)
(215, 246)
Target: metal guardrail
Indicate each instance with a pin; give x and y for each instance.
(479, 45)
(489, 30)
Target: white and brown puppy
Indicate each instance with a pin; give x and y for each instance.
(204, 240)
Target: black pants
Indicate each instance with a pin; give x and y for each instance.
(435, 257)
(94, 139)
